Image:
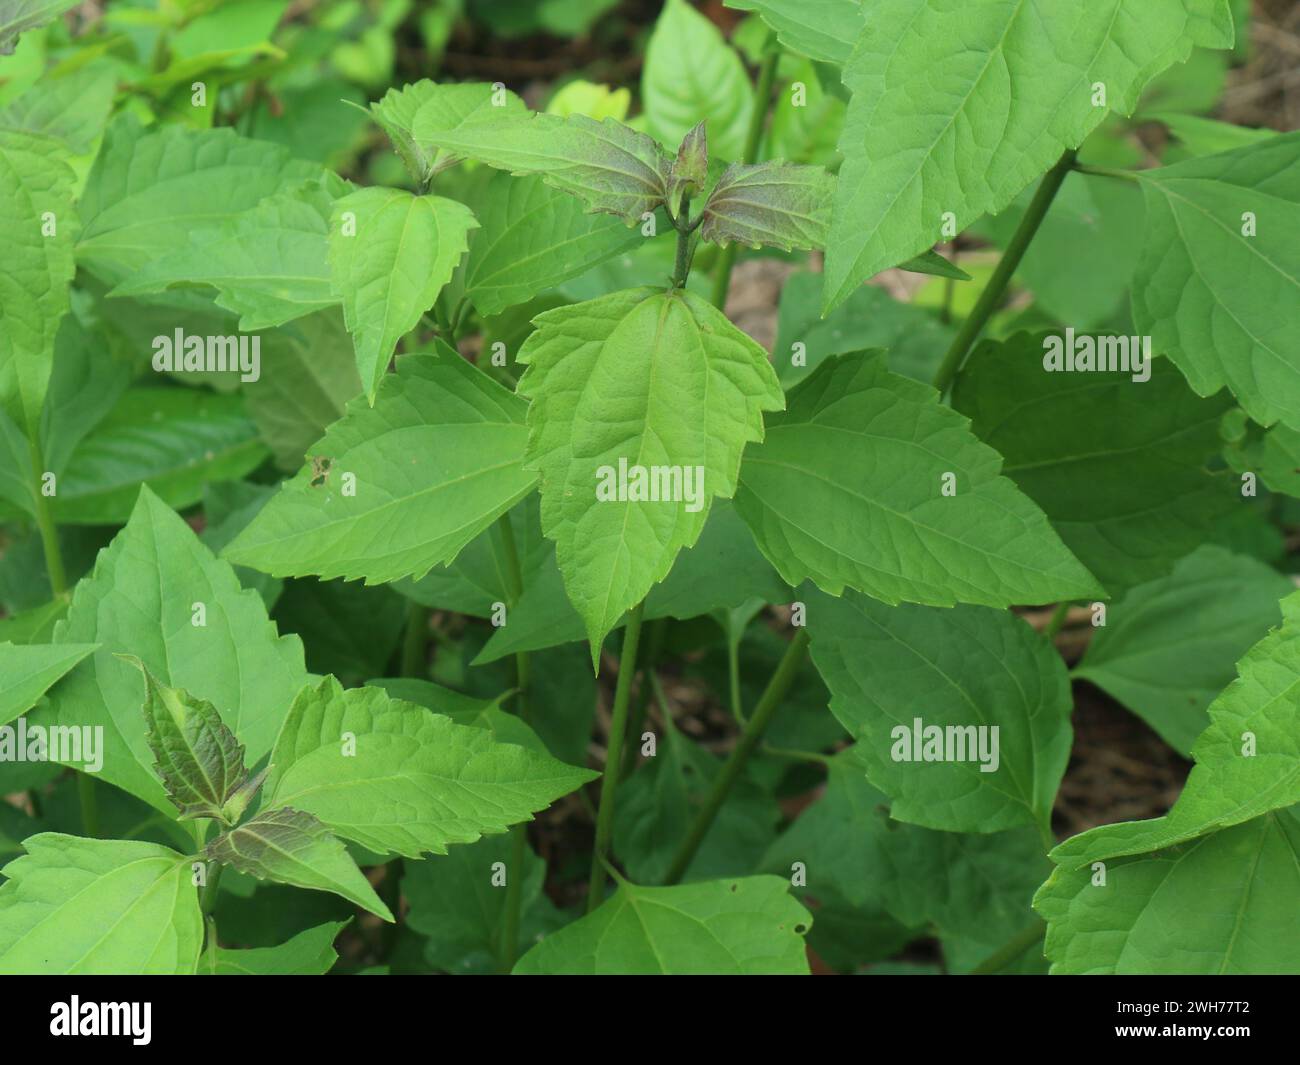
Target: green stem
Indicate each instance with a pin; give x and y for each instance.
(733, 679)
(682, 265)
(649, 657)
(509, 946)
(208, 897)
(1057, 619)
(89, 805)
(771, 698)
(753, 137)
(45, 522)
(512, 575)
(1007, 265)
(1011, 950)
(1105, 171)
(614, 756)
(415, 641)
(813, 757)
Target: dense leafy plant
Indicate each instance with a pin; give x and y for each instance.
(352, 493)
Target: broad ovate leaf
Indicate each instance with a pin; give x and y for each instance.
(268, 264)
(778, 204)
(1219, 904)
(410, 781)
(175, 440)
(37, 217)
(1219, 278)
(157, 593)
(955, 109)
(611, 167)
(27, 670)
(390, 253)
(866, 481)
(98, 907)
(1117, 458)
(533, 237)
(747, 926)
(289, 846)
(395, 489)
(692, 75)
(647, 388)
(150, 185)
(962, 716)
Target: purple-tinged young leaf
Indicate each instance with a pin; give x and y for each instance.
(778, 204)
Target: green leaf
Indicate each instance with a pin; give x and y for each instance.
(888, 667)
(309, 373)
(533, 238)
(92, 906)
(39, 221)
(722, 570)
(412, 781)
(1272, 454)
(738, 927)
(147, 186)
(292, 847)
(175, 440)
(692, 75)
(1170, 646)
(609, 166)
(72, 107)
(970, 888)
(437, 108)
(777, 204)
(19, 16)
(458, 903)
(390, 254)
(1247, 759)
(819, 29)
(463, 709)
(348, 628)
(309, 953)
(848, 489)
(436, 460)
(689, 173)
(913, 337)
(200, 761)
(1207, 136)
(1017, 88)
(645, 379)
(27, 670)
(268, 264)
(1117, 464)
(1222, 903)
(1216, 297)
(142, 600)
